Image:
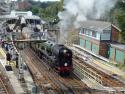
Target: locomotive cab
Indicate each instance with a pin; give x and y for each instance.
(63, 58)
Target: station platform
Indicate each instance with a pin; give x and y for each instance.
(89, 52)
(95, 85)
(15, 83)
(111, 70)
(92, 84)
(18, 86)
(12, 78)
(99, 60)
(2, 54)
(101, 63)
(29, 81)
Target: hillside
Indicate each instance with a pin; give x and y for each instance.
(49, 12)
(118, 17)
(46, 10)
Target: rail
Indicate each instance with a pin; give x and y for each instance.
(52, 79)
(84, 69)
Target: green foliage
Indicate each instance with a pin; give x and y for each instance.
(35, 10)
(120, 5)
(118, 16)
(46, 10)
(50, 13)
(40, 4)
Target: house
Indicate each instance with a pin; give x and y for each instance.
(95, 36)
(117, 53)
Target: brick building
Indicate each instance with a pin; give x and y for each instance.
(117, 53)
(97, 36)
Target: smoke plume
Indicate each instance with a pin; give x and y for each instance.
(77, 11)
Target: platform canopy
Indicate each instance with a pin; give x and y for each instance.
(27, 40)
(8, 17)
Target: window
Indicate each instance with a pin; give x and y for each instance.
(87, 32)
(82, 31)
(93, 34)
(90, 33)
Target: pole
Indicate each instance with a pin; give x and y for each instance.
(21, 73)
(36, 89)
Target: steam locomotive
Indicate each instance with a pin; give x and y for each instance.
(58, 56)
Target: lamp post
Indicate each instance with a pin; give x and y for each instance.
(20, 60)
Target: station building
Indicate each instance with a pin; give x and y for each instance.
(98, 37)
(117, 53)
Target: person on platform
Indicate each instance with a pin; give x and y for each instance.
(8, 57)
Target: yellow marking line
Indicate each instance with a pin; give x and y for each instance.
(12, 63)
(2, 53)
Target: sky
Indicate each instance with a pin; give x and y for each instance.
(46, 0)
(41, 0)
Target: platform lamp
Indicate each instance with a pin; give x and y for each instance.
(20, 60)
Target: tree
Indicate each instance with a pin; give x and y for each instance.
(35, 10)
(118, 16)
(46, 10)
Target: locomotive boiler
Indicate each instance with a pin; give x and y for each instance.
(57, 56)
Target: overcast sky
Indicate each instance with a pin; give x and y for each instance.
(46, 0)
(41, 0)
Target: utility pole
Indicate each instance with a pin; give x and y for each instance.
(20, 62)
(21, 72)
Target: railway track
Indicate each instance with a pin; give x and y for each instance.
(39, 73)
(5, 87)
(107, 80)
(51, 81)
(75, 85)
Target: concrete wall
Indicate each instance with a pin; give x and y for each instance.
(95, 48)
(89, 44)
(117, 55)
(111, 53)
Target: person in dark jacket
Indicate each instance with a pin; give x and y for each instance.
(8, 57)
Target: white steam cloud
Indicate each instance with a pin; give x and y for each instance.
(77, 11)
